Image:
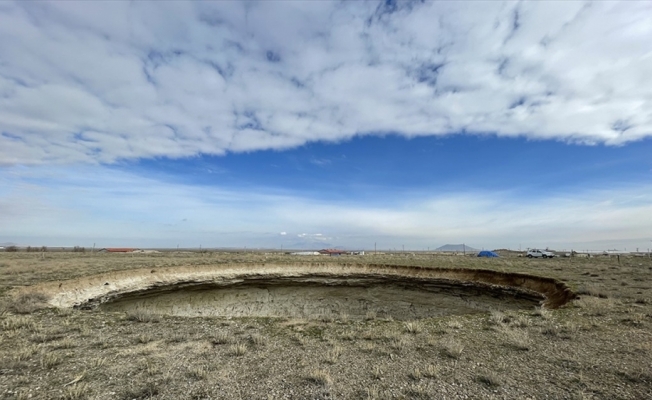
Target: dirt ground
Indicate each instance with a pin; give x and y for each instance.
(596, 347)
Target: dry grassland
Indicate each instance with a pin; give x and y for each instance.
(596, 347)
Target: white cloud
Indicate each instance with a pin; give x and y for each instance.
(57, 206)
(97, 82)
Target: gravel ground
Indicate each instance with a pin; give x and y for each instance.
(597, 347)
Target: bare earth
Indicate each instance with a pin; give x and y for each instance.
(598, 346)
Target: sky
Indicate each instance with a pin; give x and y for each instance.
(292, 124)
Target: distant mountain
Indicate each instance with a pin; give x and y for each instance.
(7, 244)
(456, 247)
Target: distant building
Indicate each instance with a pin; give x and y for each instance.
(332, 252)
(117, 250)
(305, 253)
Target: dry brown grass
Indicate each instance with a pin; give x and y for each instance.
(508, 353)
(27, 303)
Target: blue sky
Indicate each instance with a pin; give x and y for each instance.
(320, 124)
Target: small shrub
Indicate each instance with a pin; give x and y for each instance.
(431, 371)
(399, 344)
(11, 249)
(151, 368)
(489, 378)
(498, 318)
(143, 316)
(50, 360)
(144, 338)
(367, 347)
(451, 348)
(455, 324)
(517, 340)
(333, 354)
(66, 343)
(26, 353)
(377, 372)
(146, 391)
(412, 327)
(16, 323)
(320, 377)
(238, 349)
(76, 391)
(178, 337)
(198, 372)
(372, 393)
(257, 339)
(98, 362)
(542, 313)
(520, 322)
(27, 303)
(551, 330)
(416, 374)
(222, 338)
(327, 318)
(595, 306)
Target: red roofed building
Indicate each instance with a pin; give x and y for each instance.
(332, 252)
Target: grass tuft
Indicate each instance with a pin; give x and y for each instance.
(451, 348)
(77, 391)
(489, 378)
(27, 303)
(143, 316)
(237, 350)
(413, 327)
(16, 323)
(333, 354)
(320, 377)
(50, 360)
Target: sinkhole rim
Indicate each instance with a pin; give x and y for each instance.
(89, 292)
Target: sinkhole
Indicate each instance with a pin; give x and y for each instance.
(312, 291)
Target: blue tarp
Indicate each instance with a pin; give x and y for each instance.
(486, 253)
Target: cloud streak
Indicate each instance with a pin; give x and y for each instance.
(102, 82)
(118, 208)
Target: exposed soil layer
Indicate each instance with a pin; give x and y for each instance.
(312, 291)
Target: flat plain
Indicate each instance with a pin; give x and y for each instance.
(598, 346)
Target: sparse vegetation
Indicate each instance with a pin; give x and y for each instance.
(452, 348)
(320, 377)
(489, 378)
(413, 327)
(142, 356)
(27, 303)
(143, 316)
(237, 349)
(333, 354)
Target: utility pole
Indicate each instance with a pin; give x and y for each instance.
(464, 248)
(375, 252)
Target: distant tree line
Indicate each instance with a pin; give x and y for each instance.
(35, 249)
(42, 249)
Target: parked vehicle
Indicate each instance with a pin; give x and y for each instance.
(534, 253)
